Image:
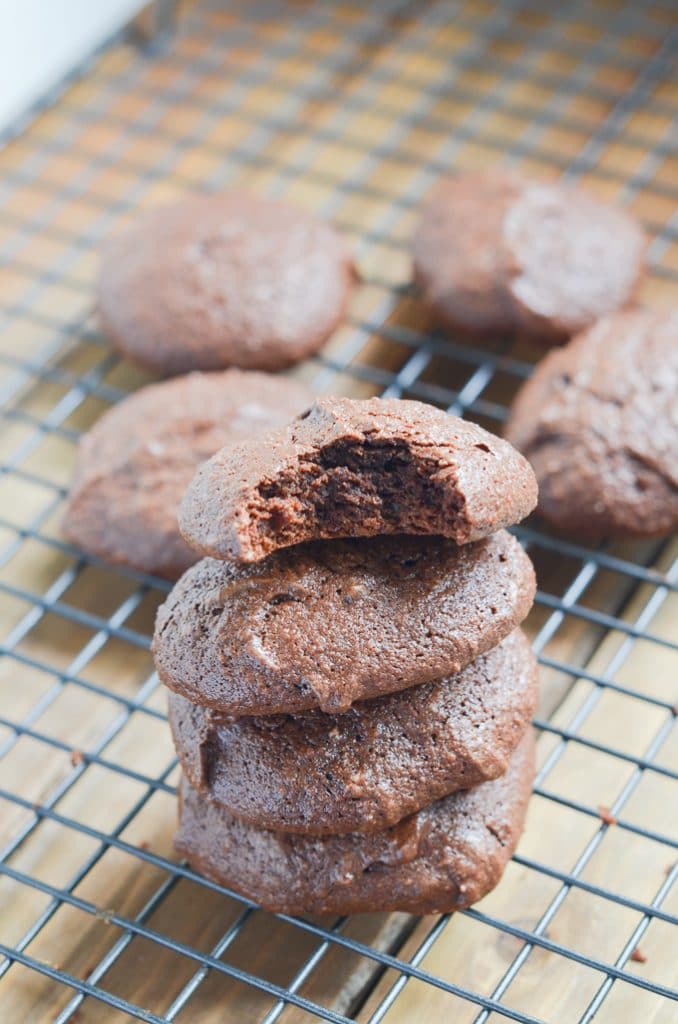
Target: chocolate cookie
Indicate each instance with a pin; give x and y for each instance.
(443, 858)
(223, 280)
(599, 422)
(330, 623)
(497, 252)
(135, 463)
(368, 768)
(357, 468)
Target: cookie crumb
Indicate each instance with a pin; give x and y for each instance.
(144, 844)
(638, 957)
(606, 815)
(77, 757)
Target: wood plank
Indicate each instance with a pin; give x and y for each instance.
(622, 862)
(73, 165)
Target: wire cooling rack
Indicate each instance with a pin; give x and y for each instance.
(352, 110)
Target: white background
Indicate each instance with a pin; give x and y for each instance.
(41, 40)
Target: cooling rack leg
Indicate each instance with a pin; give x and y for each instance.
(154, 25)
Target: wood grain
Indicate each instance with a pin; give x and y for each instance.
(290, 104)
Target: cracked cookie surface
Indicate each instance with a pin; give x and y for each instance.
(598, 421)
(349, 468)
(442, 858)
(365, 769)
(330, 623)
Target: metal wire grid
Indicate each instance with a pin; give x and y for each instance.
(75, 365)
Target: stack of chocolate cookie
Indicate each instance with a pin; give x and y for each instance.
(351, 693)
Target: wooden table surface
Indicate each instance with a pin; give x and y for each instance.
(352, 112)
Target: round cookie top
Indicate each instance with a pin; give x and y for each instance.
(350, 468)
(598, 420)
(229, 279)
(137, 460)
(499, 252)
(368, 768)
(440, 859)
(327, 624)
